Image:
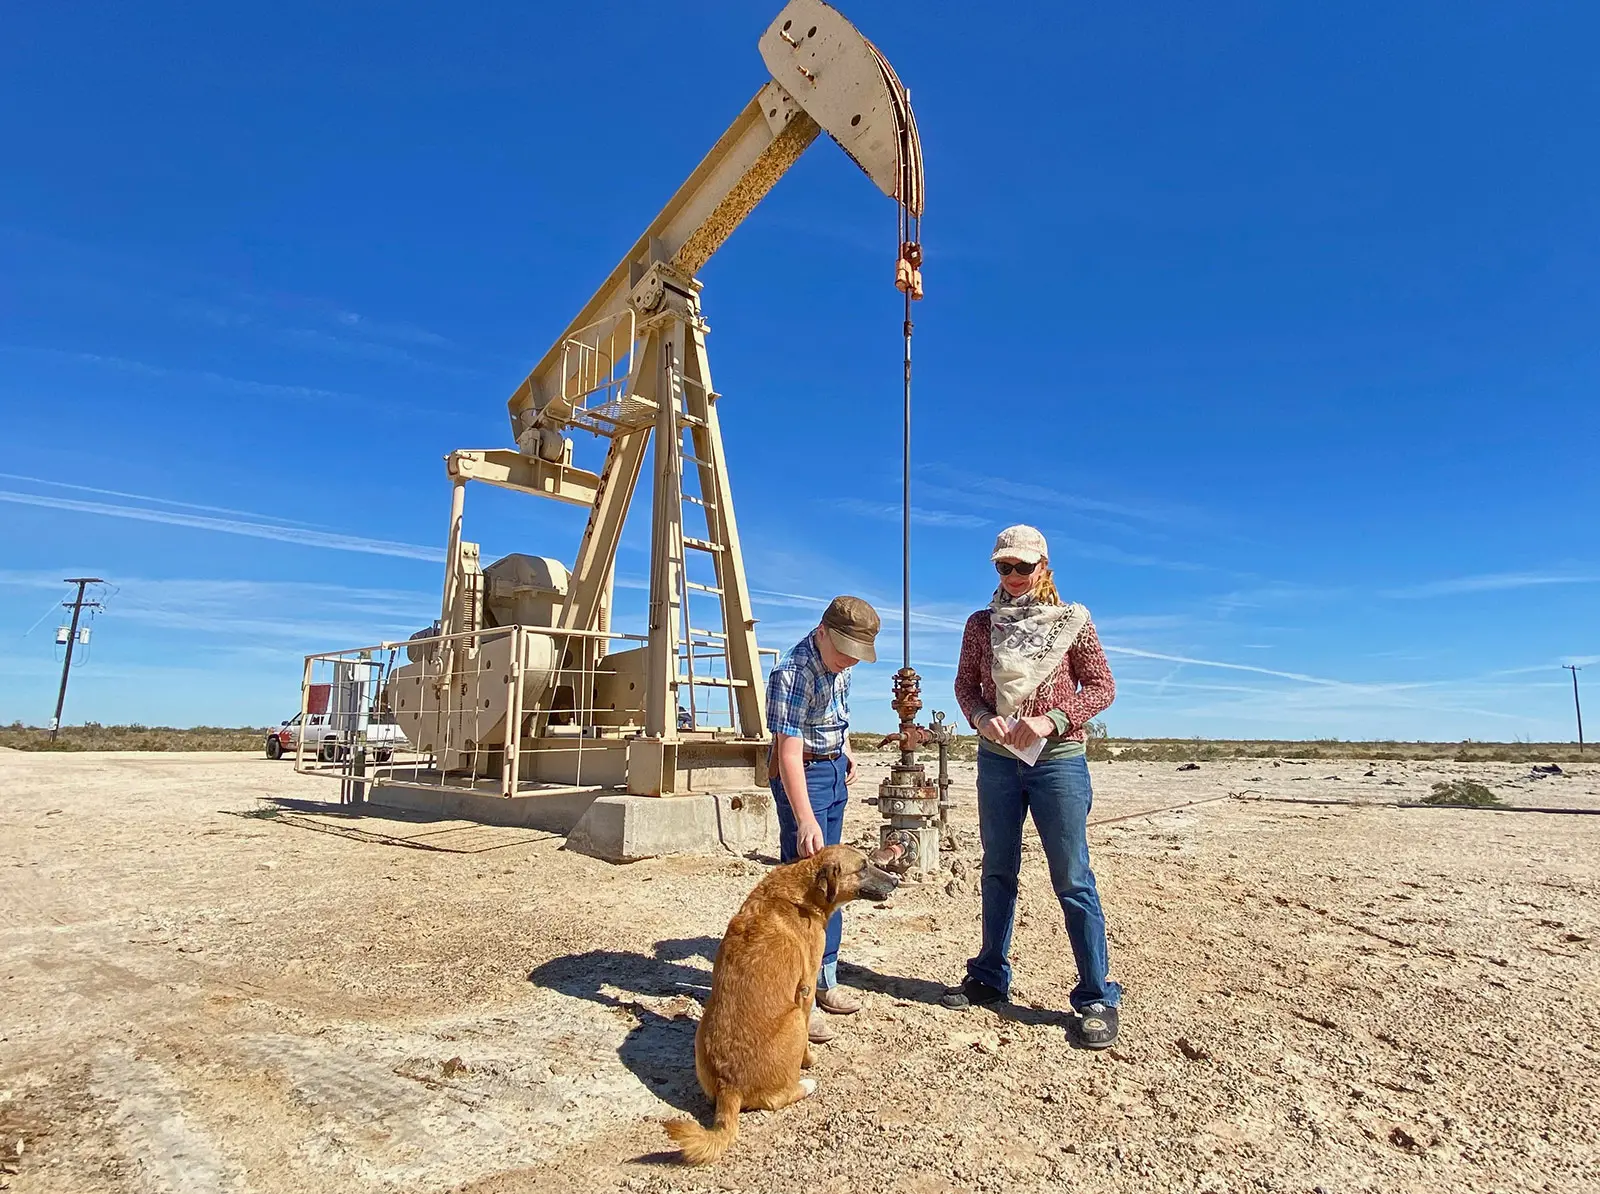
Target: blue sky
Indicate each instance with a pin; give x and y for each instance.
(1280, 320)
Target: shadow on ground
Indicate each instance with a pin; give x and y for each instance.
(659, 1051)
(916, 990)
(452, 835)
(921, 990)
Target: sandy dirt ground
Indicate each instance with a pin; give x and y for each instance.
(199, 992)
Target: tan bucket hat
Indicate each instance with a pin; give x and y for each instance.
(1020, 542)
(852, 626)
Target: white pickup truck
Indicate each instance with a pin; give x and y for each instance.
(323, 735)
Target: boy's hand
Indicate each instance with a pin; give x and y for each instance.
(808, 837)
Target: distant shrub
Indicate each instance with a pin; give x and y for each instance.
(1464, 793)
(94, 736)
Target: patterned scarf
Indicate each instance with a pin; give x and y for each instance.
(1029, 640)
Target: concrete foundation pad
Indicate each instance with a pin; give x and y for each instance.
(553, 814)
(628, 828)
(612, 825)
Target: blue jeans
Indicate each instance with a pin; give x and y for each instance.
(826, 789)
(1058, 794)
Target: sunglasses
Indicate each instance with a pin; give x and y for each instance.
(1005, 569)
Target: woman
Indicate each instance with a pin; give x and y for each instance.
(1032, 669)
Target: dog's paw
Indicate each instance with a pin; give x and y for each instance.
(809, 1085)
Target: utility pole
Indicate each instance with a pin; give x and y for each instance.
(1574, 669)
(77, 605)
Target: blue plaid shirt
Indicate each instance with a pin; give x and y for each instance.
(807, 701)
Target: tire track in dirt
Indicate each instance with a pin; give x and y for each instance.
(168, 1151)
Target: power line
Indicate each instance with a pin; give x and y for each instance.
(48, 610)
(77, 605)
(1575, 669)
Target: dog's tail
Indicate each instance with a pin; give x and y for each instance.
(702, 1146)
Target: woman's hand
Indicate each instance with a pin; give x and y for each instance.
(808, 837)
(1029, 730)
(992, 727)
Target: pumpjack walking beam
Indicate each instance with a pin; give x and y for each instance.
(826, 78)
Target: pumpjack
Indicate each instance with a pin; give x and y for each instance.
(523, 685)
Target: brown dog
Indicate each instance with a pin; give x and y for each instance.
(751, 1044)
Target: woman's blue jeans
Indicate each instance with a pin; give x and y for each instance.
(1058, 794)
(826, 789)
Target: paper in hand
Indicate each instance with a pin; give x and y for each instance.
(1028, 754)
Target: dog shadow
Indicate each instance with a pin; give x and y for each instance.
(896, 986)
(921, 990)
(659, 1049)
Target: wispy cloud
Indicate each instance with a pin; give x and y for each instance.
(371, 350)
(291, 611)
(1311, 699)
(405, 333)
(301, 536)
(1367, 714)
(157, 501)
(1491, 583)
(1137, 622)
(1303, 678)
(1013, 501)
(131, 278)
(1577, 661)
(1168, 683)
(340, 330)
(238, 385)
(20, 578)
(890, 512)
(349, 346)
(1061, 545)
(1008, 494)
(1276, 594)
(237, 616)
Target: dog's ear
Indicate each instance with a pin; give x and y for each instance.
(830, 875)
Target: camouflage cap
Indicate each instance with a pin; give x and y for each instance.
(1020, 542)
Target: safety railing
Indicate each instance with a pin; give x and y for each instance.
(596, 365)
(503, 711)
